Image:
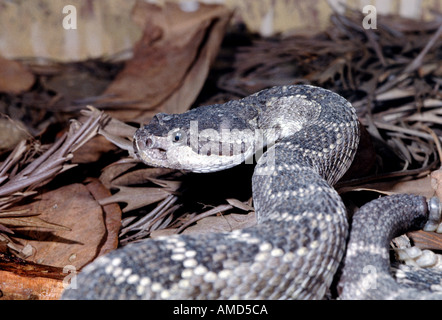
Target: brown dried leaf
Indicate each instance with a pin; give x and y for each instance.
(11, 133)
(72, 83)
(136, 197)
(14, 77)
(421, 186)
(31, 223)
(73, 207)
(92, 150)
(162, 233)
(396, 93)
(4, 229)
(118, 132)
(169, 185)
(112, 216)
(15, 213)
(170, 62)
(436, 182)
(118, 178)
(224, 223)
(426, 240)
(434, 115)
(335, 66)
(240, 205)
(113, 171)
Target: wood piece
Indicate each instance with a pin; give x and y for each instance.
(23, 280)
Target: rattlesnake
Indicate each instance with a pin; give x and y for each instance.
(308, 137)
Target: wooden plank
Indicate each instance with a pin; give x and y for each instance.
(22, 280)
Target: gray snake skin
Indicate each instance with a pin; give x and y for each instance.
(366, 274)
(310, 136)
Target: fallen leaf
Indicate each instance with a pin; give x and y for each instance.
(240, 205)
(436, 183)
(395, 93)
(114, 170)
(14, 77)
(136, 197)
(426, 240)
(421, 186)
(31, 223)
(112, 216)
(171, 61)
(162, 233)
(92, 150)
(75, 83)
(115, 177)
(222, 223)
(169, 185)
(74, 207)
(15, 213)
(11, 133)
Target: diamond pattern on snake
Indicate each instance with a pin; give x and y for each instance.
(306, 138)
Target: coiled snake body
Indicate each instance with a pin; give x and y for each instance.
(311, 136)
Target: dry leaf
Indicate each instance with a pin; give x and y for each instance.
(170, 62)
(169, 185)
(11, 133)
(92, 150)
(16, 213)
(421, 186)
(73, 207)
(4, 229)
(240, 205)
(112, 216)
(73, 83)
(113, 171)
(426, 240)
(14, 77)
(31, 223)
(222, 223)
(162, 233)
(136, 197)
(119, 175)
(436, 183)
(395, 93)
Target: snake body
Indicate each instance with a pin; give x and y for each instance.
(310, 136)
(366, 274)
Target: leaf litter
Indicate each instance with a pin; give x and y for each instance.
(391, 75)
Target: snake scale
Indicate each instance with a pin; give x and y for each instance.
(306, 138)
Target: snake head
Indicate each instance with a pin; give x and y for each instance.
(205, 139)
(155, 143)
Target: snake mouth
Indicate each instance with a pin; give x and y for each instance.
(146, 149)
(158, 154)
(155, 151)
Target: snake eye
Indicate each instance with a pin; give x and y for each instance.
(177, 136)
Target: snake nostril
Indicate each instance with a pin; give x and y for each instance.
(149, 143)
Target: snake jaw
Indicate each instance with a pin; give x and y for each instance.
(149, 149)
